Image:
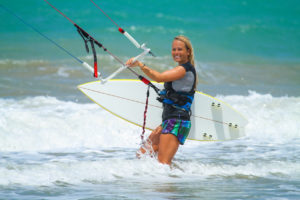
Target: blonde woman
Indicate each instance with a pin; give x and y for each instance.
(177, 97)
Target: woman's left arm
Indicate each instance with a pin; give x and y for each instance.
(166, 76)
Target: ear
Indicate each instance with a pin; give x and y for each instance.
(189, 52)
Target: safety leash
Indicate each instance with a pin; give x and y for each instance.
(145, 114)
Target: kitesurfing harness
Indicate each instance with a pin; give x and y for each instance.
(179, 100)
(178, 95)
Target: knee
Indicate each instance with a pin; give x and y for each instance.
(155, 148)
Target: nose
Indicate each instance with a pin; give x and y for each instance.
(175, 51)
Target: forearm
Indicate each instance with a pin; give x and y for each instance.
(151, 73)
(166, 76)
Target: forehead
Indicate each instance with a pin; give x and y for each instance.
(178, 43)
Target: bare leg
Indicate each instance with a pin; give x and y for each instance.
(152, 143)
(167, 149)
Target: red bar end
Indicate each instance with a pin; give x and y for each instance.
(121, 30)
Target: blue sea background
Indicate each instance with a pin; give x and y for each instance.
(247, 53)
(239, 45)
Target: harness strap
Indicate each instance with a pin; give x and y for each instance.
(177, 100)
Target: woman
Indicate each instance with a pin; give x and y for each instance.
(180, 84)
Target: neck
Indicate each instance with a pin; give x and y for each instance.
(183, 62)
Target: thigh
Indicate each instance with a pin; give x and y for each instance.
(168, 147)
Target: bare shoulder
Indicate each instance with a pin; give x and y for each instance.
(173, 74)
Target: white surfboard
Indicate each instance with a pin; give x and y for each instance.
(212, 119)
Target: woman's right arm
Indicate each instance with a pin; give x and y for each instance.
(166, 76)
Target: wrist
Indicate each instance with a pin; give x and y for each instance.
(141, 65)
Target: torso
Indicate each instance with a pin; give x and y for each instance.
(184, 85)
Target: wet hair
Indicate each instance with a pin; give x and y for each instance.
(188, 46)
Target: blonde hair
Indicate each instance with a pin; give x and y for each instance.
(189, 47)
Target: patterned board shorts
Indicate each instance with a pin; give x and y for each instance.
(179, 128)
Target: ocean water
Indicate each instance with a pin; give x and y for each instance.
(57, 144)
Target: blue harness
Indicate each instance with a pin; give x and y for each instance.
(178, 100)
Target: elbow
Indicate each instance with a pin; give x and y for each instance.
(154, 77)
(158, 79)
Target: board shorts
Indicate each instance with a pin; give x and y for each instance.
(179, 128)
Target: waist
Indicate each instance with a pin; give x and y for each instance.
(171, 112)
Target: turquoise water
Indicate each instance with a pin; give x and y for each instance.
(244, 31)
(56, 144)
(239, 45)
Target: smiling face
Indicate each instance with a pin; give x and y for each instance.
(180, 53)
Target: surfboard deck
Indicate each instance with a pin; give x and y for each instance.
(212, 119)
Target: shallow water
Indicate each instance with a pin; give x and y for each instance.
(66, 150)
